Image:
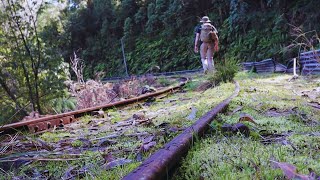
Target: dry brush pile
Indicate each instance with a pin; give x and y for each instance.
(94, 93)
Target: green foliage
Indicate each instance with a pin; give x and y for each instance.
(237, 18)
(61, 105)
(157, 33)
(30, 57)
(178, 55)
(192, 85)
(128, 27)
(76, 143)
(225, 71)
(141, 16)
(163, 81)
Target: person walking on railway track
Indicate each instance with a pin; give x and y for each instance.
(207, 36)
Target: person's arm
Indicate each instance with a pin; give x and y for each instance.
(216, 42)
(196, 49)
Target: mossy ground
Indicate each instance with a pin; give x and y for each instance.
(93, 141)
(287, 131)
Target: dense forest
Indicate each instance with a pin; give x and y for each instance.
(45, 43)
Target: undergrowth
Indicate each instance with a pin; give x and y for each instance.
(225, 71)
(270, 99)
(168, 117)
(286, 131)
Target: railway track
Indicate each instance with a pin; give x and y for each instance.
(160, 162)
(48, 122)
(143, 146)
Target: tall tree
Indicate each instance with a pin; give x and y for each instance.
(27, 59)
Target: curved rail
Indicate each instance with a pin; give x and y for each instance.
(165, 159)
(48, 122)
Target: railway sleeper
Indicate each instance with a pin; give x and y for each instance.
(49, 124)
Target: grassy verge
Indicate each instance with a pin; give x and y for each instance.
(287, 130)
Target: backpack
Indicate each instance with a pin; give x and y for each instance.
(206, 32)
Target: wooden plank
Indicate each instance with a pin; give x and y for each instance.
(265, 66)
(248, 66)
(312, 66)
(309, 52)
(310, 71)
(310, 62)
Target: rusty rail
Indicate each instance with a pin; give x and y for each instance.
(161, 163)
(44, 123)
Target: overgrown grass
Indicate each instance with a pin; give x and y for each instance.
(172, 110)
(163, 81)
(222, 156)
(225, 71)
(192, 85)
(217, 156)
(55, 137)
(237, 157)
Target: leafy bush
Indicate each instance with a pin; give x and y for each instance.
(225, 71)
(192, 85)
(61, 105)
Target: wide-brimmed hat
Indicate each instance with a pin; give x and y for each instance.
(205, 19)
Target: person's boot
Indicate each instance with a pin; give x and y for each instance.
(204, 65)
(210, 65)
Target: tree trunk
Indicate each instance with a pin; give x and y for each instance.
(26, 74)
(37, 65)
(36, 79)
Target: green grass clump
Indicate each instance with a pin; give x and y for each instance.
(55, 136)
(163, 81)
(114, 115)
(225, 71)
(192, 85)
(118, 173)
(76, 143)
(85, 119)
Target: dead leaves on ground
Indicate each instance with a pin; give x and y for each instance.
(239, 127)
(81, 137)
(247, 117)
(290, 171)
(313, 94)
(116, 163)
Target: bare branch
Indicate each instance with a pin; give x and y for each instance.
(77, 65)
